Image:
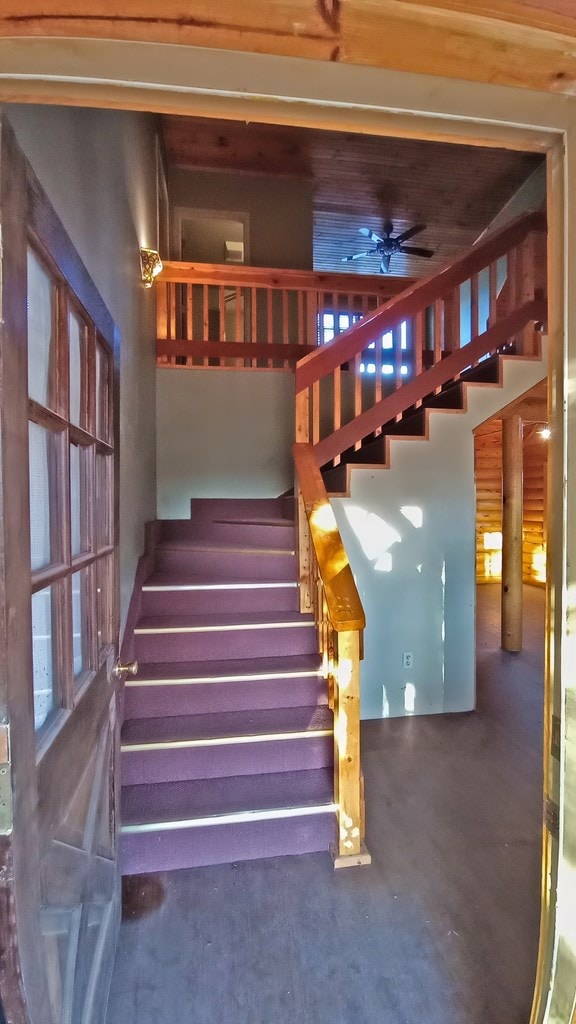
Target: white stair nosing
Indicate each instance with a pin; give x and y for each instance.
(232, 818)
(197, 680)
(163, 588)
(157, 630)
(223, 741)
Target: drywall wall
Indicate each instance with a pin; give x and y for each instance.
(410, 536)
(98, 170)
(279, 209)
(222, 434)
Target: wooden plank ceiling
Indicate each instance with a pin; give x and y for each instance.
(363, 181)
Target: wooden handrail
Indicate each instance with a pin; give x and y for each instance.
(241, 275)
(415, 390)
(413, 299)
(344, 605)
(328, 586)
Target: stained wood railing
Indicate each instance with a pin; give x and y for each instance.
(488, 298)
(327, 589)
(239, 316)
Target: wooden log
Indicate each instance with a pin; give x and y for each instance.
(512, 454)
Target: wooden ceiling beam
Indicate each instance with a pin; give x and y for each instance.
(507, 42)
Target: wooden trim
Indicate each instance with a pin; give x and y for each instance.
(344, 604)
(231, 350)
(293, 280)
(416, 389)
(415, 298)
(143, 570)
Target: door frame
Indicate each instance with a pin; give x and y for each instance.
(187, 80)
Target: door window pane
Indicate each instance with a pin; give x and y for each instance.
(80, 609)
(79, 539)
(102, 394)
(103, 501)
(76, 361)
(44, 519)
(41, 334)
(104, 601)
(43, 661)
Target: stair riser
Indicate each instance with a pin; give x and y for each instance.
(226, 565)
(256, 535)
(223, 761)
(249, 643)
(207, 698)
(241, 508)
(222, 844)
(219, 602)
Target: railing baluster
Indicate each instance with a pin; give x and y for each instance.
(474, 306)
(492, 292)
(205, 318)
(300, 299)
(397, 352)
(285, 319)
(316, 412)
(253, 320)
(172, 317)
(222, 314)
(270, 321)
(189, 318)
(377, 376)
(337, 404)
(162, 314)
(357, 392)
(239, 318)
(418, 335)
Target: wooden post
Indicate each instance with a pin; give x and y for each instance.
(348, 788)
(303, 553)
(512, 455)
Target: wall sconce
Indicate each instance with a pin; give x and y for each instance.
(151, 265)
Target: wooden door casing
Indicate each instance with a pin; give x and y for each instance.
(59, 880)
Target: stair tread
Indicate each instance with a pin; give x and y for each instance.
(209, 544)
(227, 724)
(213, 621)
(199, 798)
(201, 580)
(309, 663)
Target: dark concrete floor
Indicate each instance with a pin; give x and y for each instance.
(441, 929)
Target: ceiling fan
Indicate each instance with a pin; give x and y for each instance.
(385, 246)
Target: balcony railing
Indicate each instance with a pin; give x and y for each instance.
(258, 318)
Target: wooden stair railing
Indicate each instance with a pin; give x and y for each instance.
(328, 589)
(487, 298)
(252, 317)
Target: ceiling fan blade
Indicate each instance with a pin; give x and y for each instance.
(414, 250)
(385, 265)
(370, 234)
(358, 255)
(409, 233)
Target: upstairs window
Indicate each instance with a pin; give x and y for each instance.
(331, 324)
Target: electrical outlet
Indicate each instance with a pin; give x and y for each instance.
(407, 659)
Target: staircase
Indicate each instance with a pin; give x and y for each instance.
(227, 743)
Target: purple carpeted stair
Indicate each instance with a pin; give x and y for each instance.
(227, 744)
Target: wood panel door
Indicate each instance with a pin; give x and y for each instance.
(59, 884)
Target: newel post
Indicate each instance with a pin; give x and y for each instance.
(350, 850)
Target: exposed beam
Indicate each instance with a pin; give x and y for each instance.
(505, 42)
(512, 511)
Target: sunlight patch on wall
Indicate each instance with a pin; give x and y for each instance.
(492, 542)
(375, 535)
(539, 563)
(409, 698)
(413, 514)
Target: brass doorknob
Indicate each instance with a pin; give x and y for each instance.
(131, 669)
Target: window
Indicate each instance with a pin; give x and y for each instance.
(332, 323)
(70, 457)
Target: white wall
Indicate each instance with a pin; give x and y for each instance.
(222, 434)
(280, 210)
(97, 168)
(419, 591)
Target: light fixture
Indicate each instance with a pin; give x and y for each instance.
(151, 265)
(545, 433)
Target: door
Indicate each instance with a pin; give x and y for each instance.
(59, 884)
